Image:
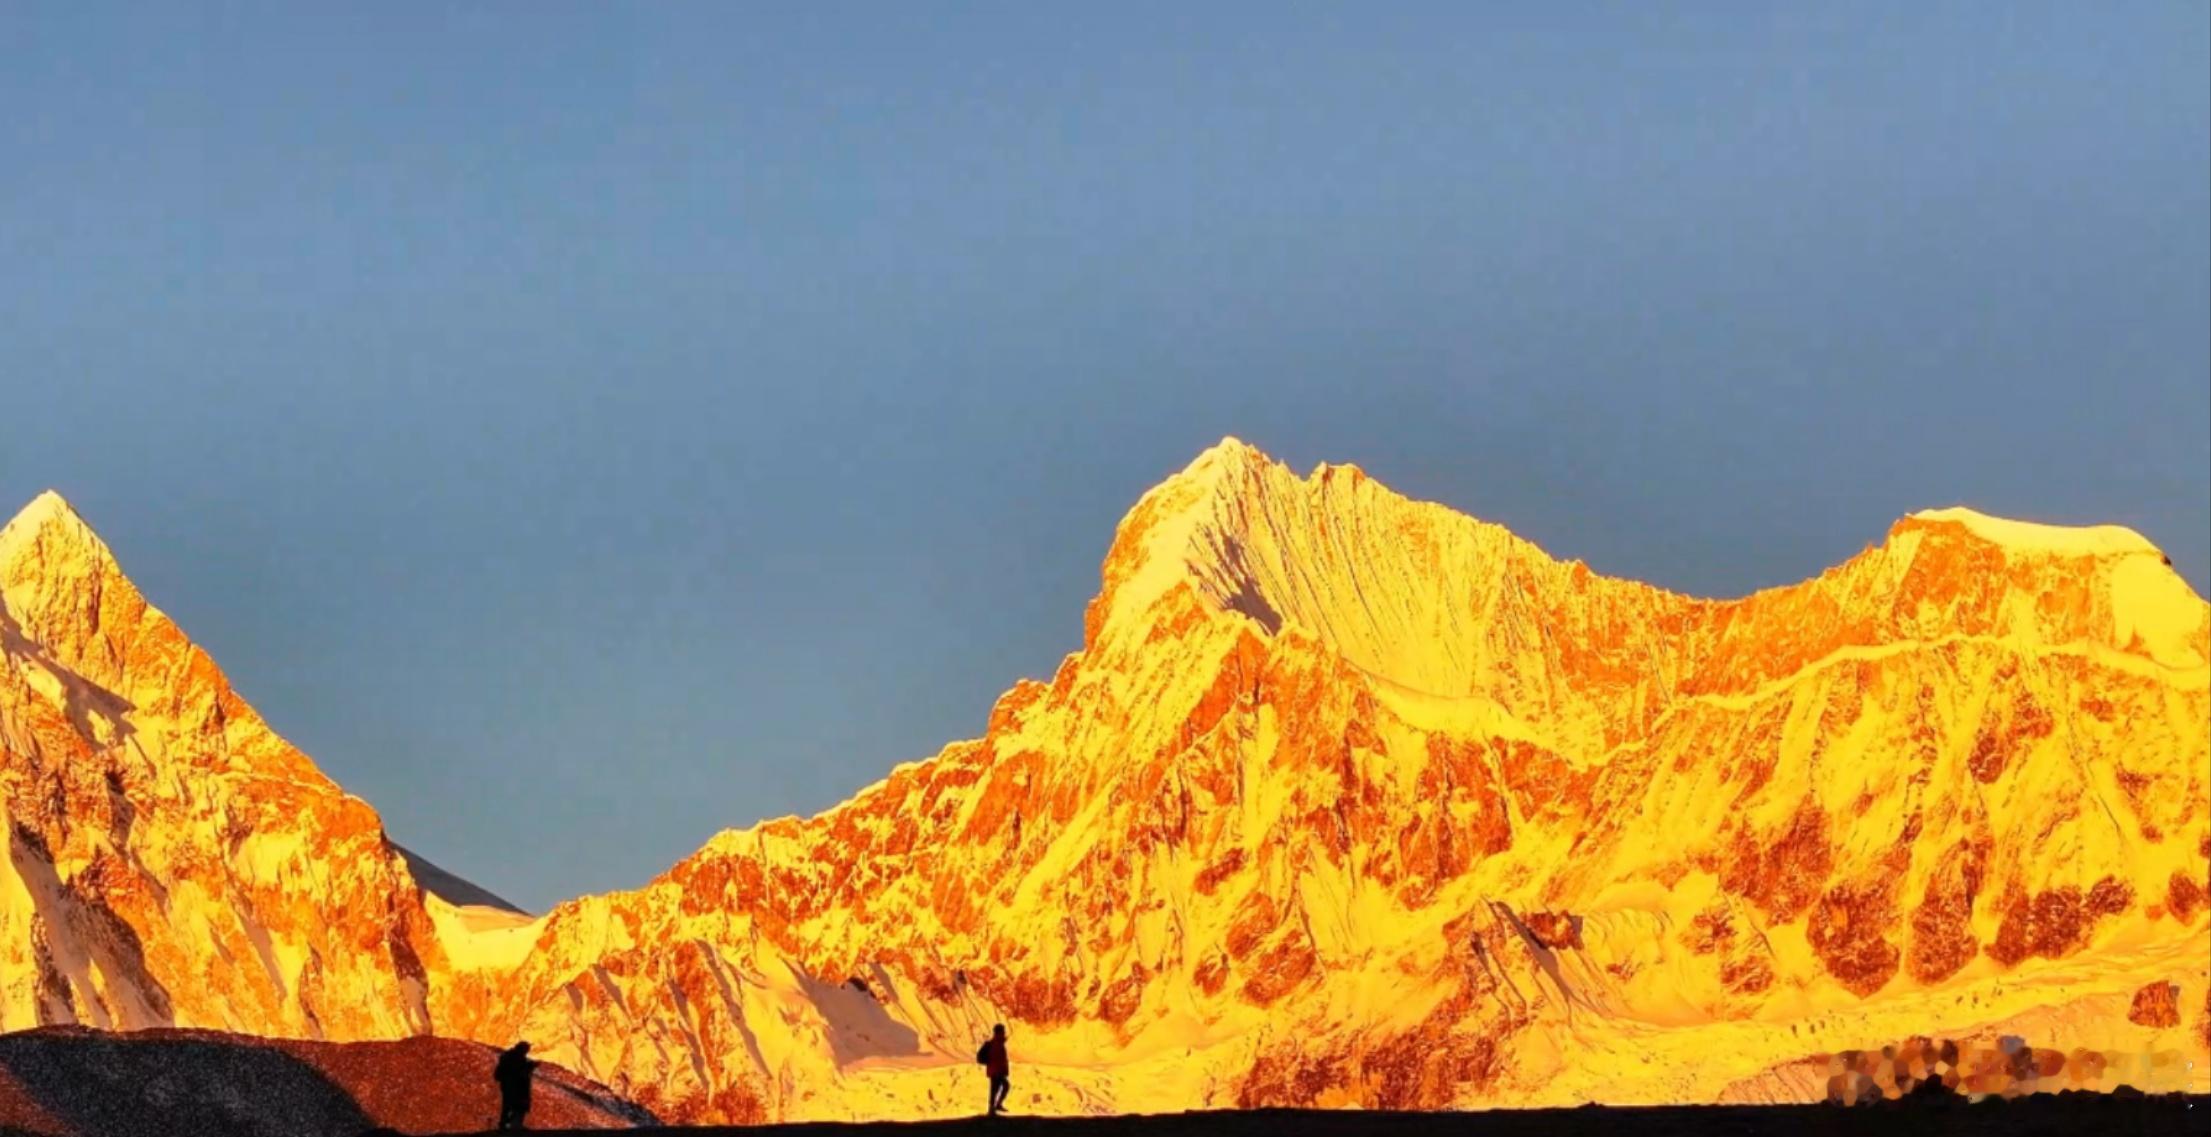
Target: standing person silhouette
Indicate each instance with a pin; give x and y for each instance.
(513, 1073)
(994, 1062)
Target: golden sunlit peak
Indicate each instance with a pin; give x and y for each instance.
(1229, 451)
(44, 510)
(2071, 540)
(1228, 463)
(46, 506)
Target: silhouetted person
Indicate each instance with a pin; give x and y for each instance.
(994, 1062)
(513, 1074)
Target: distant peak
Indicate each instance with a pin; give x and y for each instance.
(1229, 453)
(1230, 468)
(47, 506)
(451, 888)
(2035, 536)
(1232, 455)
(45, 512)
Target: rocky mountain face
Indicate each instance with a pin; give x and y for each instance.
(171, 860)
(1346, 799)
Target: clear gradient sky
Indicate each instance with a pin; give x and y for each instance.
(582, 429)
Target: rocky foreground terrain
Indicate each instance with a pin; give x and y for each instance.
(2050, 1116)
(78, 1082)
(1345, 800)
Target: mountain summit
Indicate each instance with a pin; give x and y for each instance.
(1345, 800)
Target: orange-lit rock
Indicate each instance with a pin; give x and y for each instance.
(2156, 1005)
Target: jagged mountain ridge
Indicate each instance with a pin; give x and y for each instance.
(1357, 771)
(1351, 799)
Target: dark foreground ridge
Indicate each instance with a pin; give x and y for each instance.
(2093, 1115)
(73, 1081)
(78, 1082)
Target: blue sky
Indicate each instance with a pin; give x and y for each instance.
(585, 428)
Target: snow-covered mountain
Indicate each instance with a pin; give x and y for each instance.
(171, 860)
(1346, 799)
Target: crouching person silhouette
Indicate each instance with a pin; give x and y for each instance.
(992, 1057)
(513, 1073)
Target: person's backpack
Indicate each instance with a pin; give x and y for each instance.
(982, 1055)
